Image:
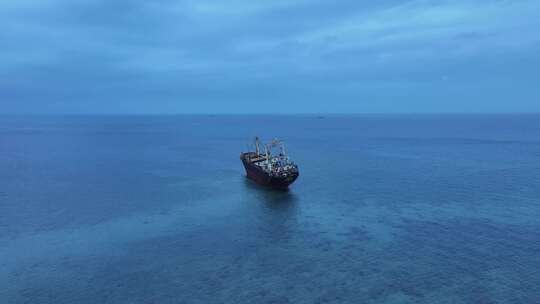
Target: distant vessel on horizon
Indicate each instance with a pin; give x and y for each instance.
(276, 171)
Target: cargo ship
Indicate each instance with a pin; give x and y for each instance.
(275, 171)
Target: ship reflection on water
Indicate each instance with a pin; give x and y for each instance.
(274, 213)
(276, 199)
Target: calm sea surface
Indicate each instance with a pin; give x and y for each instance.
(156, 209)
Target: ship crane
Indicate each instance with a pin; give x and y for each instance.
(277, 143)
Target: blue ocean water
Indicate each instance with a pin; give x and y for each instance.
(156, 209)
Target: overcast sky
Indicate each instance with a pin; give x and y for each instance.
(274, 56)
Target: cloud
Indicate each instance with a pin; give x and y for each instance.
(102, 51)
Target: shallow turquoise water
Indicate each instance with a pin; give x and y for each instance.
(156, 209)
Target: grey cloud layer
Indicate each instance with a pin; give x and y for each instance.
(316, 56)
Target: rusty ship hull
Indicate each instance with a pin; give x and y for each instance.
(261, 177)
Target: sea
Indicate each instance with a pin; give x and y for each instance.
(394, 208)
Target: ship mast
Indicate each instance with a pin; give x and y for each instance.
(257, 145)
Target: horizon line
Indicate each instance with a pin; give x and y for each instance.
(273, 114)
